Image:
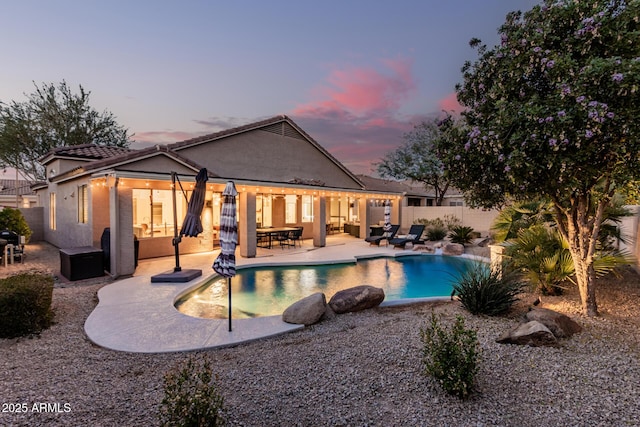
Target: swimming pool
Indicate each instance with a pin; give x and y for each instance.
(267, 291)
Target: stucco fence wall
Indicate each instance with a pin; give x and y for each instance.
(478, 219)
(35, 220)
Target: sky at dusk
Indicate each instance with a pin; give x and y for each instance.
(355, 75)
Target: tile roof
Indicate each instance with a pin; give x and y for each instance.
(87, 151)
(128, 157)
(8, 187)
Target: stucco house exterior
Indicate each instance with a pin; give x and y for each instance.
(283, 177)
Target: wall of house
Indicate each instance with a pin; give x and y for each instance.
(266, 156)
(478, 219)
(69, 233)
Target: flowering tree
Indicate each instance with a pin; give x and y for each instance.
(554, 111)
(416, 159)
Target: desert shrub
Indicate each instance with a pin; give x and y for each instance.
(436, 222)
(435, 233)
(483, 290)
(451, 355)
(25, 304)
(191, 396)
(451, 221)
(461, 234)
(12, 219)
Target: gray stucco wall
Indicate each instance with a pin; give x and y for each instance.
(35, 219)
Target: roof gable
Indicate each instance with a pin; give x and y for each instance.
(275, 150)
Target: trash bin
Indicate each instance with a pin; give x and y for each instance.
(105, 245)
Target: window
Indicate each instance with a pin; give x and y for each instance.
(83, 204)
(307, 208)
(264, 214)
(291, 204)
(52, 211)
(153, 212)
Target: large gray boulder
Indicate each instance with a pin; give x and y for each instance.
(561, 325)
(356, 299)
(532, 333)
(307, 311)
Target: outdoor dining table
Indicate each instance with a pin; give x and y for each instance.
(271, 232)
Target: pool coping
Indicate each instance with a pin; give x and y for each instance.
(138, 316)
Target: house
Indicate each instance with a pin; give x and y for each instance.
(16, 193)
(283, 177)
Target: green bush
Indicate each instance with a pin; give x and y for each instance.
(191, 397)
(25, 304)
(435, 233)
(461, 234)
(483, 290)
(12, 219)
(451, 355)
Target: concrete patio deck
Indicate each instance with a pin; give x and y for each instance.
(136, 315)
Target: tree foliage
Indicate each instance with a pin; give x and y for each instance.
(553, 112)
(417, 160)
(53, 116)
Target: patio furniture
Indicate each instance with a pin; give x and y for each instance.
(296, 236)
(81, 263)
(375, 240)
(15, 245)
(414, 236)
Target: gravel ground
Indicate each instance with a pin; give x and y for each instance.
(361, 369)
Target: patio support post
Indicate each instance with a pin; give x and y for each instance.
(247, 225)
(364, 211)
(396, 211)
(114, 224)
(319, 221)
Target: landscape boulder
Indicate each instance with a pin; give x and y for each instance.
(532, 333)
(561, 325)
(356, 299)
(307, 311)
(453, 249)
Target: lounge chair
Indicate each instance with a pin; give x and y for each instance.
(414, 236)
(375, 240)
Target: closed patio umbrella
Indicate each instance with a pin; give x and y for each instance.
(192, 225)
(387, 215)
(225, 263)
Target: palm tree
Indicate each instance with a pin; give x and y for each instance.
(537, 249)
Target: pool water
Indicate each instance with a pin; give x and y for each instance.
(267, 291)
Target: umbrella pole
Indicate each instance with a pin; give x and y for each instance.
(176, 238)
(229, 281)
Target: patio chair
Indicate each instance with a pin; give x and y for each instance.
(296, 236)
(414, 236)
(282, 237)
(375, 240)
(16, 241)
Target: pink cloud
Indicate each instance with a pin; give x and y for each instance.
(450, 104)
(163, 137)
(355, 113)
